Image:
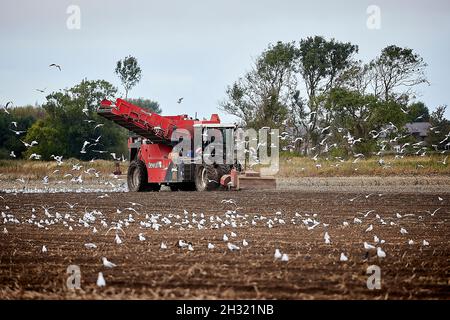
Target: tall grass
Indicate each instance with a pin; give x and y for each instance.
(15, 169)
(289, 167)
(411, 165)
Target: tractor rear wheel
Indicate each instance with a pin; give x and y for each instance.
(137, 176)
(224, 169)
(206, 178)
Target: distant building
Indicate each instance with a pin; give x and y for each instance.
(419, 130)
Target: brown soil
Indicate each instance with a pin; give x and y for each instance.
(145, 271)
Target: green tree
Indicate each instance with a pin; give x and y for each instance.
(397, 68)
(363, 116)
(50, 140)
(262, 96)
(19, 119)
(418, 112)
(71, 120)
(321, 64)
(439, 133)
(129, 73)
(148, 104)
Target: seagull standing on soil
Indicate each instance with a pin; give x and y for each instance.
(277, 255)
(100, 280)
(108, 264)
(381, 253)
(232, 247)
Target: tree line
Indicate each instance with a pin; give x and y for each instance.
(68, 119)
(317, 89)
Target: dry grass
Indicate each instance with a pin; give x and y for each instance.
(14, 169)
(289, 167)
(306, 167)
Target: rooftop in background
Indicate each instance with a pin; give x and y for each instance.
(418, 128)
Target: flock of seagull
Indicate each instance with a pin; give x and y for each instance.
(231, 225)
(231, 221)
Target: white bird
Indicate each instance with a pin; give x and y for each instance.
(5, 231)
(225, 237)
(108, 264)
(71, 206)
(117, 239)
(376, 239)
(370, 228)
(44, 249)
(12, 154)
(244, 243)
(368, 246)
(410, 242)
(233, 234)
(232, 247)
(356, 220)
(381, 253)
(163, 246)
(182, 244)
(426, 243)
(398, 215)
(90, 246)
(327, 238)
(343, 257)
(277, 254)
(100, 280)
(403, 231)
(432, 214)
(141, 237)
(210, 246)
(284, 257)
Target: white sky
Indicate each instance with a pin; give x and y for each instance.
(194, 49)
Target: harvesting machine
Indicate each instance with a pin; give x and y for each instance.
(163, 150)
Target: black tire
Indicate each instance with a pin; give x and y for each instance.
(174, 187)
(224, 169)
(137, 178)
(206, 178)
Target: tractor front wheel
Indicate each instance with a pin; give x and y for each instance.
(206, 178)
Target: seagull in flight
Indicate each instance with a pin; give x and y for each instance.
(180, 100)
(5, 108)
(17, 132)
(56, 66)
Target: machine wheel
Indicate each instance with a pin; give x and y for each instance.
(223, 169)
(174, 187)
(137, 176)
(206, 178)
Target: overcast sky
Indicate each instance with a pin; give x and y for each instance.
(194, 49)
